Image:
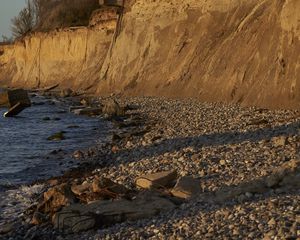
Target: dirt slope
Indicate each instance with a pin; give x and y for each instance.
(243, 51)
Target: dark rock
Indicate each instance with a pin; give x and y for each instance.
(113, 109)
(57, 137)
(6, 228)
(38, 218)
(78, 217)
(187, 187)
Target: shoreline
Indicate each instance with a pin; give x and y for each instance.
(220, 144)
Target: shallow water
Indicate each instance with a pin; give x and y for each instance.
(25, 152)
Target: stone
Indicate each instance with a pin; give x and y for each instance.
(106, 213)
(187, 187)
(101, 185)
(113, 109)
(81, 189)
(56, 137)
(88, 111)
(78, 154)
(271, 222)
(6, 228)
(66, 93)
(286, 174)
(157, 180)
(38, 218)
(56, 198)
(279, 141)
(222, 162)
(52, 182)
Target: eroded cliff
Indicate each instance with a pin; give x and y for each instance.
(70, 57)
(230, 50)
(216, 50)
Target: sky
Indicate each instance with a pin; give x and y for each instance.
(8, 10)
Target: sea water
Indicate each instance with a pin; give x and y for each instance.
(26, 154)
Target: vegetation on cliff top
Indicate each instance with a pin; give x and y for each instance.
(45, 15)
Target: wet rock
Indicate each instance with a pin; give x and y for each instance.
(73, 126)
(56, 137)
(84, 102)
(78, 154)
(113, 109)
(38, 218)
(88, 111)
(57, 197)
(106, 213)
(46, 119)
(6, 228)
(157, 180)
(53, 182)
(187, 187)
(66, 93)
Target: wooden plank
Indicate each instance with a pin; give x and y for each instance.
(15, 110)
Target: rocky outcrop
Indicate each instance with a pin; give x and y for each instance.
(217, 50)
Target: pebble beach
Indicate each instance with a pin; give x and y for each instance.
(221, 145)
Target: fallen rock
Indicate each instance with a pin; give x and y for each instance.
(187, 187)
(81, 189)
(105, 185)
(78, 217)
(113, 109)
(157, 180)
(56, 198)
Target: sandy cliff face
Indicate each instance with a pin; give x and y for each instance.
(230, 50)
(70, 57)
(244, 51)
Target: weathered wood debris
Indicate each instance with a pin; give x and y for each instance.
(16, 100)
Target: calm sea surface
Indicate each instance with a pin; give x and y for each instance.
(24, 148)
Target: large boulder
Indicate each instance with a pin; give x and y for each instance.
(103, 213)
(187, 187)
(56, 198)
(157, 180)
(105, 185)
